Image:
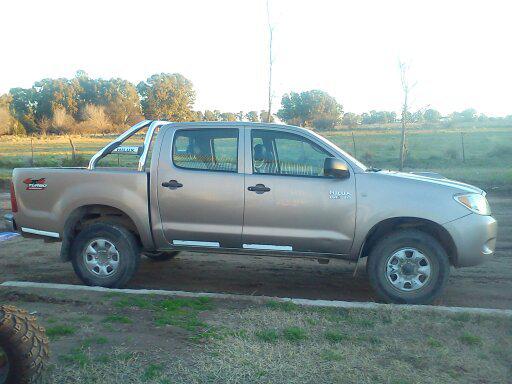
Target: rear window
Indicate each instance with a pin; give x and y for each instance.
(206, 149)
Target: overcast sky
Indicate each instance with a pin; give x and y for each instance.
(460, 52)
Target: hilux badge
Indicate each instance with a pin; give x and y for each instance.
(339, 195)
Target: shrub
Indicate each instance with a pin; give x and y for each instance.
(451, 153)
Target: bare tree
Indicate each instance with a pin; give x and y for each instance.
(270, 36)
(406, 88)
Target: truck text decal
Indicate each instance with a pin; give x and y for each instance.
(35, 184)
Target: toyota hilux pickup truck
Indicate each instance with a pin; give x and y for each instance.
(254, 189)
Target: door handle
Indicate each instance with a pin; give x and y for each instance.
(172, 184)
(259, 188)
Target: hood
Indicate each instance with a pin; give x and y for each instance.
(435, 178)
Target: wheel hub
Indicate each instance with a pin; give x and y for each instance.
(408, 269)
(101, 257)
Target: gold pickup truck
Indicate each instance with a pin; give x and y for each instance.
(254, 189)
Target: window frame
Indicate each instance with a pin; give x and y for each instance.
(274, 144)
(236, 136)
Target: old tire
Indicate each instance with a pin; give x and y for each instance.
(161, 256)
(105, 255)
(408, 267)
(24, 347)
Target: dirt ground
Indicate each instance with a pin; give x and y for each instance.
(488, 285)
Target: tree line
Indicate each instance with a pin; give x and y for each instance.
(86, 105)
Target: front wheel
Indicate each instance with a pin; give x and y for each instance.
(408, 267)
(105, 255)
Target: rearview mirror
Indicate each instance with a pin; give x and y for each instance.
(336, 168)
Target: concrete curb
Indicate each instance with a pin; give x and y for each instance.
(228, 296)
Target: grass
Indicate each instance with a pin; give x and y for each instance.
(267, 335)
(487, 152)
(469, 339)
(270, 342)
(335, 336)
(117, 319)
(295, 334)
(57, 331)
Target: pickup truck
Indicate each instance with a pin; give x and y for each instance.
(254, 189)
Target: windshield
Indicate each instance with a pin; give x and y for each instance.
(346, 155)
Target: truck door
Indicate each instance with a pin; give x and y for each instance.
(289, 204)
(200, 187)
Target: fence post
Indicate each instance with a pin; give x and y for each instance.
(32, 149)
(462, 145)
(73, 150)
(354, 144)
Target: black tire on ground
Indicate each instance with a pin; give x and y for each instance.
(404, 239)
(24, 347)
(125, 244)
(161, 256)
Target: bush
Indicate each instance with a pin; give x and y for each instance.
(452, 153)
(501, 150)
(77, 161)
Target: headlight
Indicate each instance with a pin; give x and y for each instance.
(474, 202)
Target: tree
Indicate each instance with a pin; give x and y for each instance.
(228, 116)
(9, 125)
(310, 108)
(52, 94)
(167, 96)
(264, 117)
(406, 88)
(22, 107)
(431, 115)
(351, 119)
(120, 100)
(252, 116)
(211, 116)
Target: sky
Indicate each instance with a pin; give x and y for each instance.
(458, 52)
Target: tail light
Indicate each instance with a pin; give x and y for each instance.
(14, 203)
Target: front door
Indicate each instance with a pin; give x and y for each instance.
(200, 187)
(289, 204)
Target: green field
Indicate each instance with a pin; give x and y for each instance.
(488, 152)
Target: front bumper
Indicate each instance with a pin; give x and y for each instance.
(474, 237)
(10, 223)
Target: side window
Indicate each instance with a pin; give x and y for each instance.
(281, 153)
(206, 149)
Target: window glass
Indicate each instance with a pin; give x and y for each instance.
(206, 149)
(282, 153)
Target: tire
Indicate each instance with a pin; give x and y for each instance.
(161, 256)
(408, 267)
(24, 347)
(116, 257)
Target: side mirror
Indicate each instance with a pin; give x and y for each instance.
(336, 168)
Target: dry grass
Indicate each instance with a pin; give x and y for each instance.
(274, 343)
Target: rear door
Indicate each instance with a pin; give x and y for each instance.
(289, 204)
(201, 187)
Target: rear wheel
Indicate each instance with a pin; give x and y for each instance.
(23, 347)
(161, 256)
(408, 267)
(105, 255)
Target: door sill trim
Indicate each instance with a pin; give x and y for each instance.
(268, 247)
(191, 243)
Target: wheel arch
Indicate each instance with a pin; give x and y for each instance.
(93, 213)
(391, 224)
